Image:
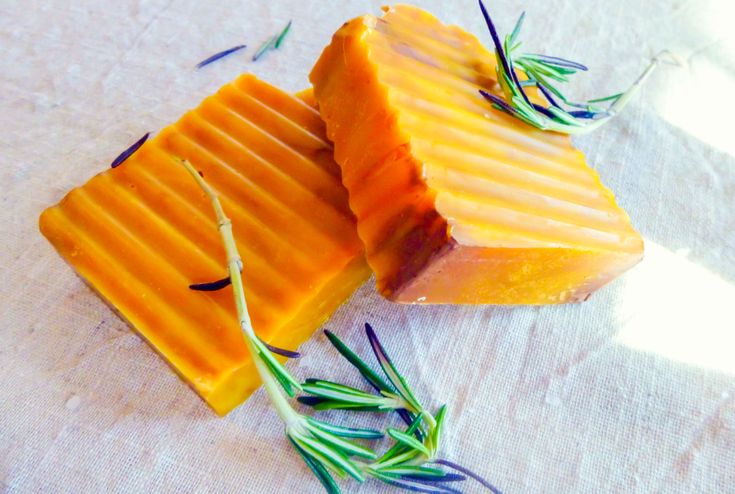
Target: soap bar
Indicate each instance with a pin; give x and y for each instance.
(141, 233)
(457, 202)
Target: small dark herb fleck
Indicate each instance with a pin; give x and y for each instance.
(129, 151)
(211, 287)
(281, 351)
(220, 55)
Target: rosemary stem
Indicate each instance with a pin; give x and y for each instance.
(234, 264)
(626, 97)
(283, 408)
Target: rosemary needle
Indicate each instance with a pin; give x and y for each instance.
(272, 43)
(220, 55)
(122, 157)
(282, 36)
(212, 286)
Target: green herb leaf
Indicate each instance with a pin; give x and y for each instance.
(408, 441)
(284, 377)
(282, 380)
(614, 97)
(282, 36)
(407, 455)
(390, 370)
(415, 471)
(341, 405)
(400, 448)
(272, 43)
(438, 427)
(363, 399)
(346, 431)
(321, 404)
(517, 30)
(395, 450)
(347, 447)
(333, 459)
(369, 374)
(317, 468)
(565, 117)
(267, 46)
(341, 388)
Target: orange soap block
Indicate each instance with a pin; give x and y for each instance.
(141, 233)
(457, 202)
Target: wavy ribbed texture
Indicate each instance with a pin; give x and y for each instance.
(457, 202)
(141, 233)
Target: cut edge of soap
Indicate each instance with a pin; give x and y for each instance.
(409, 291)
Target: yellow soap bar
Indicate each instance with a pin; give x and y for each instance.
(457, 202)
(141, 233)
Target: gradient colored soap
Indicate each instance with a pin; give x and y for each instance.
(141, 233)
(457, 202)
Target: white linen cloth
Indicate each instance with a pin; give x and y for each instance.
(632, 391)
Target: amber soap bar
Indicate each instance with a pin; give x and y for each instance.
(141, 233)
(457, 202)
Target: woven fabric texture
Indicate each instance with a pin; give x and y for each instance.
(632, 391)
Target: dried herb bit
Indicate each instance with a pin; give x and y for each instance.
(487, 485)
(545, 73)
(220, 55)
(282, 35)
(129, 151)
(281, 351)
(211, 287)
(272, 43)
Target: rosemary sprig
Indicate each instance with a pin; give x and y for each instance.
(540, 71)
(272, 43)
(328, 449)
(411, 463)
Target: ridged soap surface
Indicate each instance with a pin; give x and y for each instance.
(458, 202)
(141, 233)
